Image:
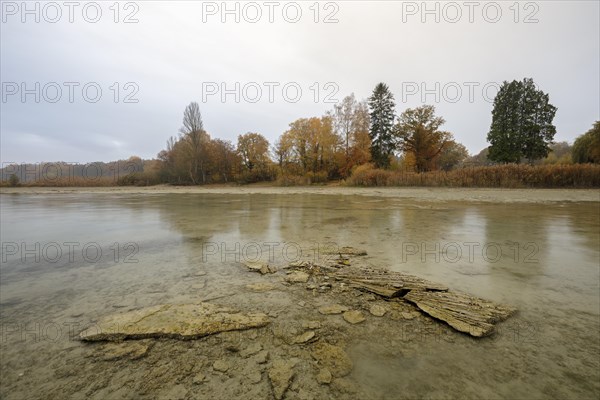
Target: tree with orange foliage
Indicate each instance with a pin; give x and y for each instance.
(418, 134)
(312, 145)
(253, 150)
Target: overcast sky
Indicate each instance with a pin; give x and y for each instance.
(178, 52)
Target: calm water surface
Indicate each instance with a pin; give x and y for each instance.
(143, 250)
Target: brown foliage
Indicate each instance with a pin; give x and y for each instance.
(499, 176)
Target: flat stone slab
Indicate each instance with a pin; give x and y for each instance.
(324, 376)
(308, 336)
(377, 310)
(354, 317)
(221, 366)
(333, 358)
(297, 277)
(257, 266)
(461, 311)
(176, 321)
(384, 282)
(281, 375)
(128, 350)
(332, 309)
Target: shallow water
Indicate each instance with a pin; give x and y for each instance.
(144, 250)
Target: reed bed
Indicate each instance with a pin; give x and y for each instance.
(498, 176)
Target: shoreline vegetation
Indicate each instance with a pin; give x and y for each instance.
(358, 143)
(508, 176)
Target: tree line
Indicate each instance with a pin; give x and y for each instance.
(357, 132)
(365, 132)
(322, 148)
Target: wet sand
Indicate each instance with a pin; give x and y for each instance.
(420, 194)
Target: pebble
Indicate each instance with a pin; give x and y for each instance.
(221, 366)
(324, 376)
(311, 324)
(199, 379)
(297, 277)
(377, 310)
(262, 357)
(255, 377)
(251, 350)
(305, 337)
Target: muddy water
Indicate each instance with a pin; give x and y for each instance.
(70, 259)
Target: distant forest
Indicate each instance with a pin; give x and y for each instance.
(358, 143)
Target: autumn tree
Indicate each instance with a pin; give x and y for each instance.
(193, 157)
(381, 105)
(311, 145)
(253, 148)
(418, 136)
(327, 147)
(196, 139)
(174, 164)
(360, 150)
(560, 153)
(586, 148)
(452, 154)
(521, 123)
(297, 136)
(479, 159)
(282, 150)
(223, 160)
(351, 123)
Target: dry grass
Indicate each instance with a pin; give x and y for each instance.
(68, 182)
(131, 179)
(307, 179)
(499, 176)
(291, 180)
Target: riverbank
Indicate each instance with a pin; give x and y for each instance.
(421, 194)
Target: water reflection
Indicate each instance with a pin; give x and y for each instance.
(496, 250)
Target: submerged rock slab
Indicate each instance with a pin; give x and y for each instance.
(281, 375)
(378, 310)
(461, 311)
(260, 286)
(345, 251)
(384, 282)
(333, 358)
(257, 266)
(128, 350)
(465, 313)
(354, 317)
(333, 309)
(297, 277)
(176, 321)
(308, 336)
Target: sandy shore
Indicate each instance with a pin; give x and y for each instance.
(421, 194)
